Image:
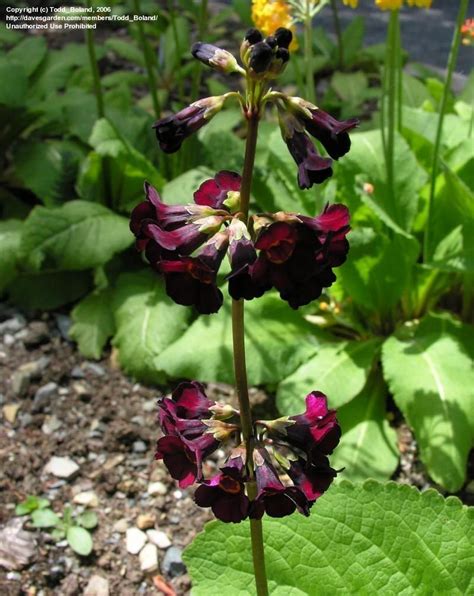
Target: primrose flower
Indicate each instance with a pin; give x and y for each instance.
(467, 32)
(420, 3)
(351, 3)
(389, 4)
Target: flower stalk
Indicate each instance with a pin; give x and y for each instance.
(453, 55)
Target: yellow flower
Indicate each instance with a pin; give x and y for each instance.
(420, 3)
(389, 4)
(268, 15)
(351, 3)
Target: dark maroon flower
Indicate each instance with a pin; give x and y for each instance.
(191, 281)
(188, 401)
(225, 492)
(185, 239)
(273, 497)
(312, 168)
(183, 457)
(173, 130)
(278, 241)
(313, 477)
(242, 253)
(317, 428)
(220, 192)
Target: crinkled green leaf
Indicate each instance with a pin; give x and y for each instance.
(10, 236)
(278, 340)
(369, 539)
(429, 371)
(147, 322)
(78, 235)
(365, 432)
(338, 369)
(93, 323)
(14, 82)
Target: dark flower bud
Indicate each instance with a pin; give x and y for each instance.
(283, 37)
(220, 192)
(253, 36)
(260, 57)
(282, 54)
(271, 40)
(215, 57)
(313, 477)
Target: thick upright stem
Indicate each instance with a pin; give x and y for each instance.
(308, 54)
(99, 98)
(453, 55)
(240, 370)
(391, 88)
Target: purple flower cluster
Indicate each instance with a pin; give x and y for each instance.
(195, 427)
(293, 253)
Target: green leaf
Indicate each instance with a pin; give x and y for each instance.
(147, 322)
(338, 369)
(278, 340)
(365, 432)
(351, 88)
(370, 539)
(379, 268)
(49, 289)
(126, 49)
(429, 371)
(10, 236)
(414, 92)
(44, 518)
(352, 39)
(87, 520)
(79, 540)
(31, 503)
(14, 82)
(181, 189)
(29, 52)
(93, 323)
(78, 235)
(366, 157)
(425, 124)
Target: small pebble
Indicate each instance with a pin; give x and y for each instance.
(97, 586)
(64, 323)
(139, 447)
(145, 521)
(173, 565)
(87, 498)
(160, 539)
(12, 325)
(51, 425)
(121, 526)
(77, 373)
(61, 467)
(177, 494)
(135, 540)
(36, 334)
(94, 368)
(150, 405)
(10, 411)
(8, 340)
(157, 488)
(43, 396)
(149, 558)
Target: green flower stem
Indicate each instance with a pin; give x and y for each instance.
(391, 89)
(337, 28)
(202, 26)
(240, 370)
(453, 55)
(399, 57)
(308, 53)
(150, 67)
(99, 98)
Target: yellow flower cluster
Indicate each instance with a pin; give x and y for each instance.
(397, 4)
(268, 15)
(351, 3)
(420, 3)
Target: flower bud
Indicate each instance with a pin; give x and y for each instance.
(283, 37)
(260, 57)
(222, 411)
(252, 37)
(215, 57)
(221, 431)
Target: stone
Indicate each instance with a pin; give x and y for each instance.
(64, 323)
(157, 488)
(83, 391)
(77, 373)
(43, 396)
(97, 586)
(139, 447)
(121, 526)
(145, 521)
(62, 467)
(17, 547)
(10, 411)
(160, 539)
(148, 558)
(36, 334)
(51, 425)
(87, 498)
(13, 325)
(135, 540)
(173, 565)
(8, 341)
(94, 368)
(149, 405)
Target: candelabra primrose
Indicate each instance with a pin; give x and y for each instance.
(277, 466)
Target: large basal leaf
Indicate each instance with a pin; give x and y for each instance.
(181, 189)
(93, 323)
(78, 235)
(338, 369)
(278, 340)
(429, 370)
(48, 290)
(29, 52)
(378, 269)
(147, 322)
(367, 157)
(425, 124)
(14, 82)
(368, 446)
(370, 539)
(10, 234)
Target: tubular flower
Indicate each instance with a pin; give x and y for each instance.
(389, 4)
(269, 15)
